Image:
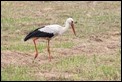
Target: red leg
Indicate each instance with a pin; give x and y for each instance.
(35, 48)
(48, 49)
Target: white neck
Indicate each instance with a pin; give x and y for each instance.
(64, 29)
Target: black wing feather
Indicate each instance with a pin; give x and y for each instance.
(37, 33)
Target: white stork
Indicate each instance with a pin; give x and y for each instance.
(49, 31)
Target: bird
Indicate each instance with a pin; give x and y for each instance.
(48, 32)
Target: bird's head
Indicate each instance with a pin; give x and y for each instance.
(71, 22)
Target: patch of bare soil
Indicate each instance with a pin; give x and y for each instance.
(19, 58)
(105, 44)
(54, 75)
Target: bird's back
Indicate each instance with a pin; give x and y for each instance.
(51, 29)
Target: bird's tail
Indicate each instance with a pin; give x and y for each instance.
(27, 37)
(32, 34)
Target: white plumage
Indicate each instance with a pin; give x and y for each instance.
(55, 29)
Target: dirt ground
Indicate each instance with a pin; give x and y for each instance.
(107, 43)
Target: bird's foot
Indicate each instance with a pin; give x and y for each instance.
(35, 57)
(33, 60)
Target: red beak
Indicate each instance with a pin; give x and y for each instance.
(72, 25)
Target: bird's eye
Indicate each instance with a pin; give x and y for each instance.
(71, 21)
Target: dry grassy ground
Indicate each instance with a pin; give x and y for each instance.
(93, 55)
